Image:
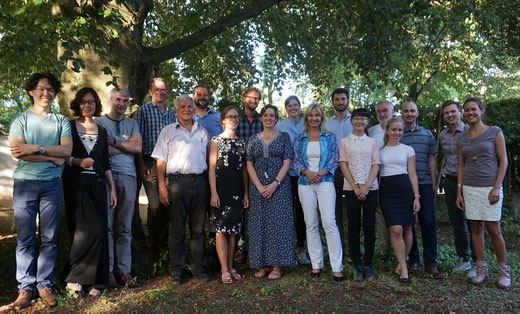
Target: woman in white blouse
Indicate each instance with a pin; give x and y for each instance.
(359, 160)
(399, 193)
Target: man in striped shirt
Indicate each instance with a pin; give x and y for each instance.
(152, 118)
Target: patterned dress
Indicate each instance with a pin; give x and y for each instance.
(270, 223)
(230, 186)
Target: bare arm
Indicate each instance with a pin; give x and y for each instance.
(348, 176)
(412, 174)
(254, 178)
(500, 146)
(20, 150)
(134, 145)
(432, 163)
(271, 187)
(111, 186)
(212, 164)
(246, 187)
(164, 196)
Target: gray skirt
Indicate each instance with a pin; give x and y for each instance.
(477, 203)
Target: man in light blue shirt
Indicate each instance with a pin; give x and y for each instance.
(208, 118)
(293, 126)
(340, 125)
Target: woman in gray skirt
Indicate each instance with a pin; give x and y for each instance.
(479, 187)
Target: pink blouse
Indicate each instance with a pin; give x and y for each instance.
(360, 154)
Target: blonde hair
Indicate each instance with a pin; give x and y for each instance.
(388, 123)
(308, 113)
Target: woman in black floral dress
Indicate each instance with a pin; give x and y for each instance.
(228, 182)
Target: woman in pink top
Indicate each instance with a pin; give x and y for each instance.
(359, 160)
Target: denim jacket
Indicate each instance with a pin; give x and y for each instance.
(328, 156)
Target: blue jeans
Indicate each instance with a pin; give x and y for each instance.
(429, 232)
(31, 198)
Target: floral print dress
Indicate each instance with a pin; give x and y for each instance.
(230, 185)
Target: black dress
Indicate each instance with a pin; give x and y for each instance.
(230, 186)
(85, 196)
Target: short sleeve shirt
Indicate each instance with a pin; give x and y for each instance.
(44, 130)
(448, 142)
(394, 159)
(424, 144)
(210, 121)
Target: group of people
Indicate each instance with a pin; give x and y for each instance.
(198, 163)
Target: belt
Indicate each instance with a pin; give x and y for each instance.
(452, 178)
(182, 175)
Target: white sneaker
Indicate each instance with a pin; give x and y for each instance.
(74, 286)
(302, 258)
(472, 273)
(462, 265)
(94, 292)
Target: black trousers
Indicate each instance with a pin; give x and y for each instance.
(298, 213)
(189, 204)
(354, 208)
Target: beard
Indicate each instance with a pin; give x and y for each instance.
(201, 104)
(339, 109)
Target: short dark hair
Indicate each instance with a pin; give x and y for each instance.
(450, 102)
(340, 90)
(224, 112)
(200, 86)
(361, 112)
(74, 104)
(288, 100)
(476, 100)
(264, 109)
(33, 80)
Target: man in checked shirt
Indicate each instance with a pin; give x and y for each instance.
(152, 118)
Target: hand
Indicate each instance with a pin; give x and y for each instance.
(135, 138)
(58, 161)
(164, 196)
(215, 200)
(416, 205)
(113, 199)
(434, 192)
(246, 200)
(364, 190)
(313, 177)
(143, 172)
(460, 202)
(19, 150)
(494, 196)
(269, 190)
(86, 162)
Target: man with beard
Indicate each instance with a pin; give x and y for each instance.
(249, 123)
(340, 125)
(208, 118)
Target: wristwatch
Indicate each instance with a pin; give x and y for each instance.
(42, 150)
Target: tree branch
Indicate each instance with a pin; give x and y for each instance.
(176, 47)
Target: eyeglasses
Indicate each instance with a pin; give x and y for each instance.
(88, 102)
(232, 117)
(360, 119)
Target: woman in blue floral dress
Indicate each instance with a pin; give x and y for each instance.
(270, 223)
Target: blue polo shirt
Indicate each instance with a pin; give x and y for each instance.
(424, 144)
(288, 126)
(210, 121)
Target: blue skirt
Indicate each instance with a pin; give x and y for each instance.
(396, 200)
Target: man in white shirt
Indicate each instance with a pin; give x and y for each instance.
(340, 125)
(384, 111)
(181, 153)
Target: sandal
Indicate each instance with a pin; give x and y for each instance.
(226, 278)
(275, 274)
(260, 273)
(234, 274)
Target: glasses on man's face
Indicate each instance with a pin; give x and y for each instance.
(88, 102)
(360, 119)
(235, 117)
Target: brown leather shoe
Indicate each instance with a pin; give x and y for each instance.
(23, 300)
(436, 274)
(48, 296)
(127, 280)
(112, 283)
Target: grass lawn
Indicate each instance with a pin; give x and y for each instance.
(297, 292)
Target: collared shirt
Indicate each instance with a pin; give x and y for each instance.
(328, 156)
(360, 153)
(288, 126)
(378, 133)
(151, 121)
(246, 129)
(183, 151)
(340, 128)
(448, 142)
(120, 131)
(424, 145)
(210, 121)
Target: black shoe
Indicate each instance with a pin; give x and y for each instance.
(369, 273)
(203, 276)
(315, 275)
(359, 272)
(176, 280)
(414, 266)
(339, 279)
(404, 280)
